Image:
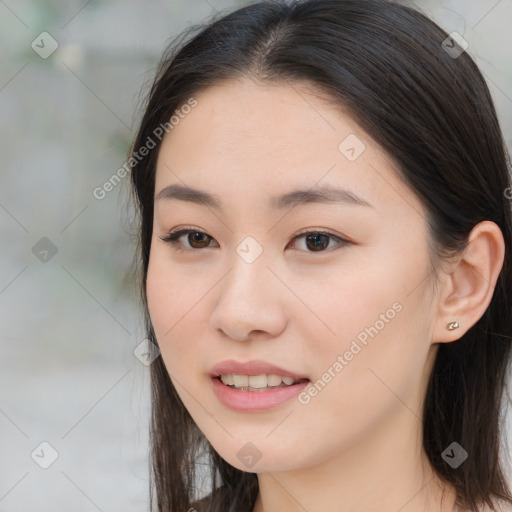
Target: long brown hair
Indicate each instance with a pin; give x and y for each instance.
(389, 66)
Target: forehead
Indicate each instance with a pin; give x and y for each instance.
(270, 138)
(243, 123)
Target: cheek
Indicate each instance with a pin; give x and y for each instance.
(379, 317)
(366, 301)
(170, 308)
(159, 290)
(379, 357)
(168, 289)
(176, 304)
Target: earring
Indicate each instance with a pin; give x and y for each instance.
(452, 325)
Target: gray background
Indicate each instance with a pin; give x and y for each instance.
(69, 320)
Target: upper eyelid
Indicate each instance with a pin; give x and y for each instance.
(304, 231)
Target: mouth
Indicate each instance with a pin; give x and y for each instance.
(254, 386)
(259, 395)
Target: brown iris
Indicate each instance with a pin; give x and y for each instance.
(316, 237)
(200, 238)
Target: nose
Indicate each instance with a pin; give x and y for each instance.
(249, 301)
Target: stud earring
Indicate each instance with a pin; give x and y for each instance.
(452, 325)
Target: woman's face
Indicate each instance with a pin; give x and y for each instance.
(353, 315)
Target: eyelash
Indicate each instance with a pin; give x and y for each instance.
(173, 237)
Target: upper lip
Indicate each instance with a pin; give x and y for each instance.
(255, 367)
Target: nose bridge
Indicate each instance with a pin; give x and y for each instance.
(248, 273)
(245, 284)
(246, 301)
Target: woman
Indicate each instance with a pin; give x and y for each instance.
(325, 235)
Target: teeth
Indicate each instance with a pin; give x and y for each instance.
(274, 380)
(258, 381)
(227, 379)
(255, 381)
(240, 381)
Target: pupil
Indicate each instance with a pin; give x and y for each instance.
(195, 235)
(316, 247)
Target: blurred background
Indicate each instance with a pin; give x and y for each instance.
(74, 384)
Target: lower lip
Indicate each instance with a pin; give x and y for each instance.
(255, 401)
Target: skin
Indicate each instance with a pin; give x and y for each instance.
(357, 444)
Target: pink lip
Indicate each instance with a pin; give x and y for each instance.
(255, 367)
(255, 401)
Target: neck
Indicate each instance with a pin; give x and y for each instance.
(388, 472)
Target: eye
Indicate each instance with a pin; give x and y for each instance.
(197, 239)
(316, 241)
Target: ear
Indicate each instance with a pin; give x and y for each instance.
(467, 289)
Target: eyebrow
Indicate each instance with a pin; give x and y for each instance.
(324, 194)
